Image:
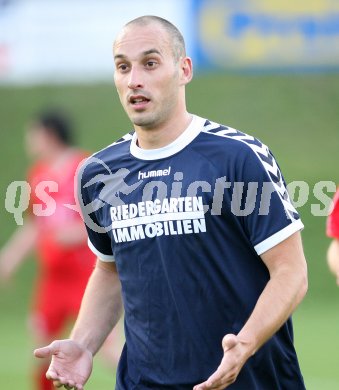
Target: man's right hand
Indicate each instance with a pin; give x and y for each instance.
(71, 363)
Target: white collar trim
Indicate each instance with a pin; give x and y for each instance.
(191, 132)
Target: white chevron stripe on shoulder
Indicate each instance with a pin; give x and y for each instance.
(126, 137)
(264, 155)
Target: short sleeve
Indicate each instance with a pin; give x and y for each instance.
(99, 240)
(268, 214)
(332, 226)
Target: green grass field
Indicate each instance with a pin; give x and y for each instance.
(297, 116)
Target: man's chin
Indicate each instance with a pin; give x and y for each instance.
(143, 121)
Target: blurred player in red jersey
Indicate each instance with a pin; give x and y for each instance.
(332, 231)
(55, 231)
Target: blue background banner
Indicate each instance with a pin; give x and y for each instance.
(261, 34)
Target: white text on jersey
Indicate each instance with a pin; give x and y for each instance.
(156, 173)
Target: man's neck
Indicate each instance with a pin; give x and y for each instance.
(163, 135)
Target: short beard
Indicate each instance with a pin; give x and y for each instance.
(148, 123)
(153, 120)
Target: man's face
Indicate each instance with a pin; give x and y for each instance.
(146, 75)
(37, 141)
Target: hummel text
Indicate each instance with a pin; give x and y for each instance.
(157, 173)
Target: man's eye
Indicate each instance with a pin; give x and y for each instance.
(122, 67)
(151, 64)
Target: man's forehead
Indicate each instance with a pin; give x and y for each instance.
(141, 40)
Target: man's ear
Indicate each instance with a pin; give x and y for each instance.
(186, 70)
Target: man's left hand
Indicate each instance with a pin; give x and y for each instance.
(235, 356)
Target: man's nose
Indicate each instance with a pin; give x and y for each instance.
(135, 79)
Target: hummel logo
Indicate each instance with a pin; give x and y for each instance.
(157, 173)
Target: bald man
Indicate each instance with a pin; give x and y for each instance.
(208, 281)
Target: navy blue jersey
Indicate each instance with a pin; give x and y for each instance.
(186, 225)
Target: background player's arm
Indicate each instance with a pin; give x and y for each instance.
(17, 249)
(282, 294)
(333, 258)
(332, 231)
(100, 310)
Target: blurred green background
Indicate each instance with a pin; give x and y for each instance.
(296, 115)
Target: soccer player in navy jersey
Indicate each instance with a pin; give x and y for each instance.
(196, 238)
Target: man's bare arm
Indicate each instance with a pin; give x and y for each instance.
(101, 307)
(284, 291)
(17, 249)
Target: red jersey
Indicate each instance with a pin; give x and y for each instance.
(52, 188)
(332, 228)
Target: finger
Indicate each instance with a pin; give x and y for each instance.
(200, 386)
(221, 387)
(220, 378)
(69, 385)
(43, 352)
(60, 382)
(213, 381)
(52, 375)
(48, 350)
(208, 386)
(221, 382)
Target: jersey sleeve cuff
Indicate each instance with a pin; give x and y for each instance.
(98, 253)
(278, 237)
